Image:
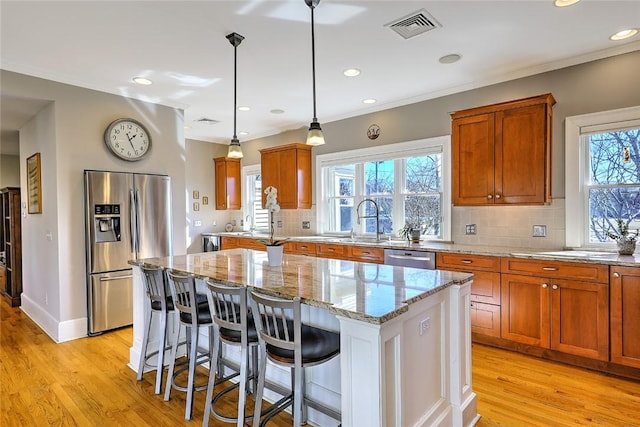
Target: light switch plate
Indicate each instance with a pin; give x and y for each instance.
(197, 223)
(539, 231)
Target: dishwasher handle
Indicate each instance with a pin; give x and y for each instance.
(409, 256)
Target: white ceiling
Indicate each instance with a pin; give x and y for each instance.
(181, 46)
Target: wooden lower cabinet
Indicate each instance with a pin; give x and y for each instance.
(300, 248)
(366, 254)
(625, 316)
(330, 250)
(564, 315)
(485, 288)
(227, 242)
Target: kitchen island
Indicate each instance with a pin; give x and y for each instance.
(405, 335)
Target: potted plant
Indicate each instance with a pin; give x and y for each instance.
(274, 247)
(625, 240)
(410, 232)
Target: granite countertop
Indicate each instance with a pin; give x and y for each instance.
(373, 293)
(558, 254)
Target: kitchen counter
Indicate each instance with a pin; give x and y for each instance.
(373, 293)
(405, 338)
(559, 254)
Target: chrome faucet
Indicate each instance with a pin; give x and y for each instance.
(376, 216)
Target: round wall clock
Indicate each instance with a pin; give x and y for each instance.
(128, 139)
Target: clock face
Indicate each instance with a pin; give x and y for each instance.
(127, 139)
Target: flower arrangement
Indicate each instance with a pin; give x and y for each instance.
(272, 206)
(411, 232)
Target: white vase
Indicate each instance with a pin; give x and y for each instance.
(274, 254)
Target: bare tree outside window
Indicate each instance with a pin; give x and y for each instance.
(614, 187)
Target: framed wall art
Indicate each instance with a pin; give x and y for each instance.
(34, 184)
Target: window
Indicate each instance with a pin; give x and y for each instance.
(407, 182)
(603, 176)
(255, 215)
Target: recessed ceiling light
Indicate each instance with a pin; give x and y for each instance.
(243, 133)
(351, 72)
(450, 59)
(142, 81)
(369, 101)
(624, 34)
(565, 3)
(277, 111)
(244, 108)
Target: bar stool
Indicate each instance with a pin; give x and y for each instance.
(158, 303)
(236, 327)
(286, 341)
(193, 313)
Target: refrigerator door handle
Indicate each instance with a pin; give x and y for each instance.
(133, 223)
(109, 279)
(138, 221)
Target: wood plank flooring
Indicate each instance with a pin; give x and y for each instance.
(86, 382)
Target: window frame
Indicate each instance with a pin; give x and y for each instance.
(577, 172)
(422, 147)
(247, 202)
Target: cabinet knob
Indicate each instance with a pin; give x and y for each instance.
(497, 196)
(555, 286)
(616, 275)
(489, 196)
(545, 286)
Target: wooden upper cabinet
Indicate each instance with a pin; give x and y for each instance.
(288, 169)
(501, 153)
(228, 195)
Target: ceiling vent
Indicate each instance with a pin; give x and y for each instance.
(207, 121)
(413, 24)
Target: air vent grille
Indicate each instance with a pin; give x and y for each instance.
(413, 24)
(207, 121)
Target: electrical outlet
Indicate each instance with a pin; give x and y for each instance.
(539, 231)
(470, 229)
(306, 225)
(197, 223)
(424, 325)
(279, 224)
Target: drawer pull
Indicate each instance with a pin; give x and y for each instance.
(366, 253)
(466, 261)
(545, 286)
(555, 286)
(331, 249)
(549, 268)
(616, 275)
(304, 247)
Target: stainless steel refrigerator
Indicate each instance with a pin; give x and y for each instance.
(127, 216)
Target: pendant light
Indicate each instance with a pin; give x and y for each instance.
(234, 148)
(314, 137)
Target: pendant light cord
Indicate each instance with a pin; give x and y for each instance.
(235, 90)
(313, 64)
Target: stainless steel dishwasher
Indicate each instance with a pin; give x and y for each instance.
(410, 258)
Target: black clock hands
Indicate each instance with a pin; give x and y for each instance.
(130, 138)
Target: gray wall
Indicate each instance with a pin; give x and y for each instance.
(9, 171)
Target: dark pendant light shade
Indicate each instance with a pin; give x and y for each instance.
(235, 151)
(314, 137)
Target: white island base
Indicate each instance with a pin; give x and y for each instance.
(413, 370)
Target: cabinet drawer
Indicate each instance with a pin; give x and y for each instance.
(251, 244)
(485, 319)
(485, 287)
(228, 242)
(328, 250)
(366, 254)
(302, 248)
(557, 269)
(471, 262)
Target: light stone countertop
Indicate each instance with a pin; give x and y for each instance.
(557, 254)
(372, 293)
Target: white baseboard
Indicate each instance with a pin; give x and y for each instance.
(58, 331)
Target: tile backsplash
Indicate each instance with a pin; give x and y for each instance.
(494, 225)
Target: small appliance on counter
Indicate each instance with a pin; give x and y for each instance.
(210, 242)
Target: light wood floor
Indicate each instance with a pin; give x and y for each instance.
(86, 382)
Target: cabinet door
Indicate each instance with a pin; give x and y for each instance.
(301, 248)
(521, 147)
(525, 310)
(472, 142)
(227, 175)
(288, 190)
(580, 318)
(270, 172)
(228, 242)
(366, 254)
(328, 250)
(625, 316)
(485, 319)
